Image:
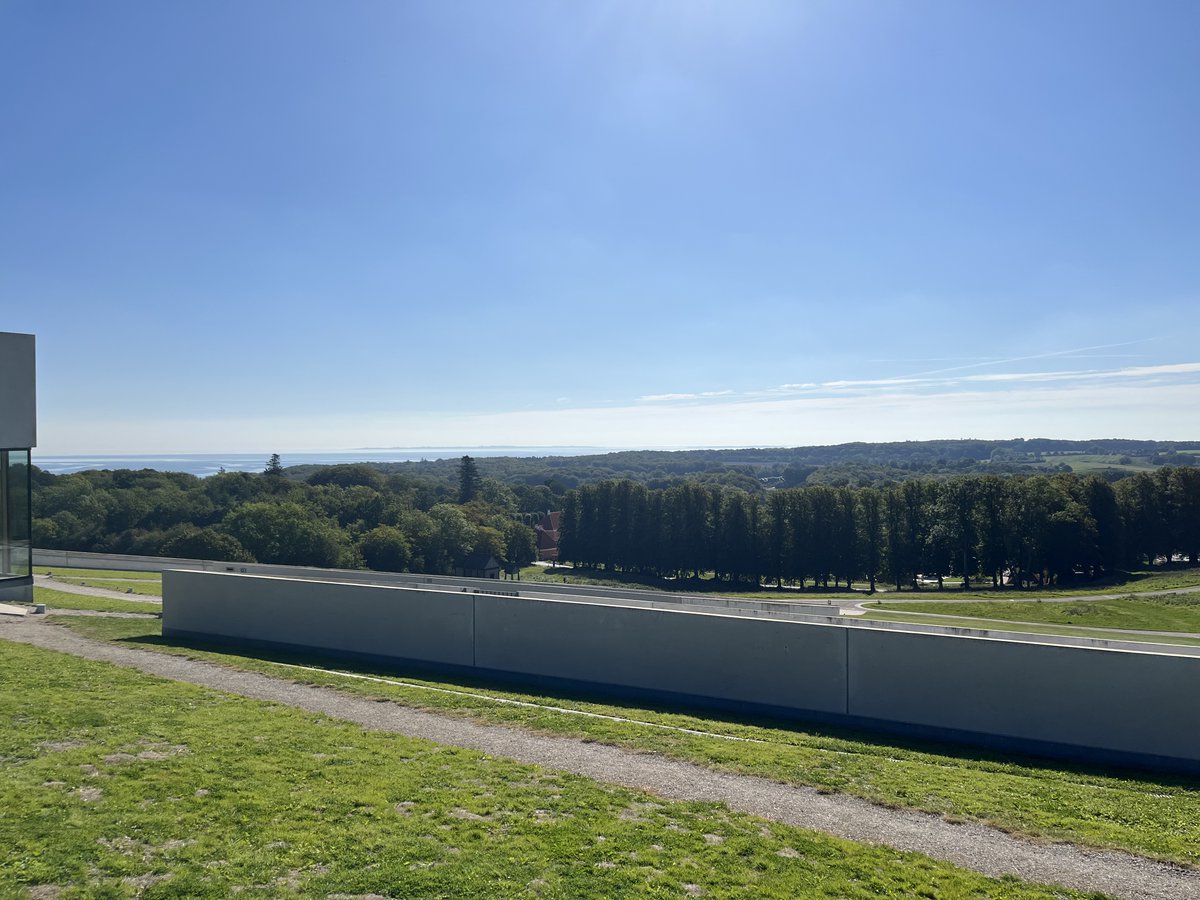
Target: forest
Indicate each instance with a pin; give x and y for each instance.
(343, 516)
(1024, 530)
(727, 523)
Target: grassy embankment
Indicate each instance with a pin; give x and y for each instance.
(1177, 613)
(65, 600)
(1152, 815)
(147, 583)
(1168, 613)
(1105, 634)
(117, 784)
(144, 587)
(124, 574)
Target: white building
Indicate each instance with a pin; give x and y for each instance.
(18, 435)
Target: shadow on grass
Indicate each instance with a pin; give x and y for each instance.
(619, 702)
(1110, 582)
(584, 577)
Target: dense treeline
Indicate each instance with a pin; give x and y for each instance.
(341, 516)
(1021, 530)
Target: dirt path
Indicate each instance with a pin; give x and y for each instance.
(971, 845)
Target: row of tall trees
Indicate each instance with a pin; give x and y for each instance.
(1019, 530)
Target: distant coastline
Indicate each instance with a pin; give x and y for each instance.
(204, 464)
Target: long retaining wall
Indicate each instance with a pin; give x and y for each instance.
(1113, 705)
(81, 559)
(808, 609)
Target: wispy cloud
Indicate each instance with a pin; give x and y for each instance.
(1052, 354)
(927, 383)
(702, 395)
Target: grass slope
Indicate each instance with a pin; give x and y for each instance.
(66, 600)
(1001, 626)
(1156, 816)
(116, 784)
(135, 586)
(98, 573)
(1179, 612)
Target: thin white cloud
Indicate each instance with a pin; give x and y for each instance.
(664, 398)
(1091, 374)
(868, 384)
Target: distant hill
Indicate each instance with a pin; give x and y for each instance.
(757, 469)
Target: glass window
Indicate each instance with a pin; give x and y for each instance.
(15, 512)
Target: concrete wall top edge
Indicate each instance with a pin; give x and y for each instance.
(460, 592)
(815, 621)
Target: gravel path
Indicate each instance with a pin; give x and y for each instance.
(970, 845)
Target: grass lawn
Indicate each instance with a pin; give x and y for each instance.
(1153, 815)
(64, 600)
(1000, 626)
(98, 573)
(1086, 463)
(116, 784)
(1140, 581)
(1164, 613)
(148, 587)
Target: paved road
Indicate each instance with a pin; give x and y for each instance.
(970, 845)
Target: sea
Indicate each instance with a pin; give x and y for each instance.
(204, 464)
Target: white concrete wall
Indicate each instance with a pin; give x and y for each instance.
(1118, 700)
(786, 664)
(18, 400)
(402, 623)
(1136, 707)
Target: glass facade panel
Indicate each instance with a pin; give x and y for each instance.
(15, 514)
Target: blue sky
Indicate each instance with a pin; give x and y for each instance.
(307, 225)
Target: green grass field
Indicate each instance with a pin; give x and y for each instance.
(1179, 612)
(1087, 463)
(145, 586)
(1135, 582)
(1152, 815)
(1104, 634)
(116, 784)
(64, 600)
(98, 573)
